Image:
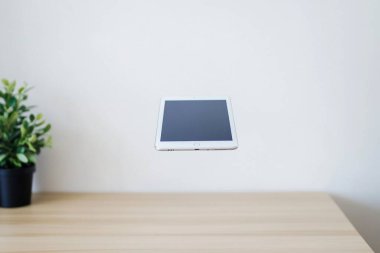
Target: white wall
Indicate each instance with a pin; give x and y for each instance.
(303, 77)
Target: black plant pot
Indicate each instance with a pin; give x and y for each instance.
(16, 186)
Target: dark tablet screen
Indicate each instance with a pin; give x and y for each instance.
(196, 120)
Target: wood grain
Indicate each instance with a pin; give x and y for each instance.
(176, 222)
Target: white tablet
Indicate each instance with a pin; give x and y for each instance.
(196, 124)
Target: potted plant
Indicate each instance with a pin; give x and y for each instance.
(22, 136)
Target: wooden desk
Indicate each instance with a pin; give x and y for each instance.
(206, 223)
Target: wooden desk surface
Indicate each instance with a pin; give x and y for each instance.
(144, 222)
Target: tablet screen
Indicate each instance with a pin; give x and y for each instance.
(196, 120)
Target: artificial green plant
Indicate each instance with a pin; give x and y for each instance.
(22, 133)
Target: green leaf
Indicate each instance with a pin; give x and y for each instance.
(48, 142)
(25, 124)
(5, 82)
(32, 117)
(39, 116)
(12, 118)
(9, 87)
(27, 87)
(15, 162)
(40, 123)
(11, 102)
(33, 138)
(20, 150)
(12, 86)
(2, 157)
(23, 131)
(23, 108)
(30, 146)
(22, 158)
(23, 89)
(32, 158)
(46, 129)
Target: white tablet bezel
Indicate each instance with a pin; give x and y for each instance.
(195, 145)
